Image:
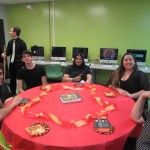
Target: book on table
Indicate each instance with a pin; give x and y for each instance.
(69, 98)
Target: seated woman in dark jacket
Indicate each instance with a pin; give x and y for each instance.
(128, 80)
(78, 71)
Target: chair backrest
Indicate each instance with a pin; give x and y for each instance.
(53, 67)
(53, 71)
(3, 142)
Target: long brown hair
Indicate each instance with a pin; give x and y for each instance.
(117, 75)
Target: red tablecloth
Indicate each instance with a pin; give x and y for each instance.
(70, 137)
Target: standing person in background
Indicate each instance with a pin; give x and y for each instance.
(14, 49)
(78, 71)
(128, 80)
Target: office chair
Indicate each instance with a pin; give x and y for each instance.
(3, 142)
(53, 71)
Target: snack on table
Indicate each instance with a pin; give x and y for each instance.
(110, 94)
(46, 87)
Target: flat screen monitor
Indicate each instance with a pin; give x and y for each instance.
(58, 53)
(140, 56)
(109, 55)
(37, 52)
(83, 50)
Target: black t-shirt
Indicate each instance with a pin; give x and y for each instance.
(137, 81)
(4, 92)
(32, 77)
(74, 71)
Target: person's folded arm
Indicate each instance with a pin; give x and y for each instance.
(137, 111)
(67, 78)
(6, 110)
(89, 78)
(44, 80)
(1, 104)
(136, 94)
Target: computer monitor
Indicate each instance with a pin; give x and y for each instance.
(83, 50)
(140, 56)
(58, 53)
(37, 52)
(109, 55)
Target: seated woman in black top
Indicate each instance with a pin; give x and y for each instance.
(78, 71)
(127, 79)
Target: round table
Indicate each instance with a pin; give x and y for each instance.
(66, 136)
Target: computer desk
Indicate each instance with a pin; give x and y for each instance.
(94, 67)
(101, 67)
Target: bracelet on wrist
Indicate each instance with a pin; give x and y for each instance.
(73, 80)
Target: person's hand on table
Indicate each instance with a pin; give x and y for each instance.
(123, 92)
(76, 79)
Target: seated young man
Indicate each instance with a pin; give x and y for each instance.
(139, 116)
(32, 74)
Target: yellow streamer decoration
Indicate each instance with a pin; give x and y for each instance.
(109, 108)
(88, 116)
(102, 113)
(98, 99)
(37, 99)
(29, 104)
(39, 115)
(24, 107)
(67, 87)
(46, 88)
(55, 119)
(78, 123)
(93, 91)
(43, 94)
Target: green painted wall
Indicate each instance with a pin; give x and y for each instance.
(33, 23)
(89, 23)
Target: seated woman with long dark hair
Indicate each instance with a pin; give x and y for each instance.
(128, 80)
(78, 71)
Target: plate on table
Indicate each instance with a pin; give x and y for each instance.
(103, 126)
(38, 129)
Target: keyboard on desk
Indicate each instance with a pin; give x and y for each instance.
(55, 62)
(108, 66)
